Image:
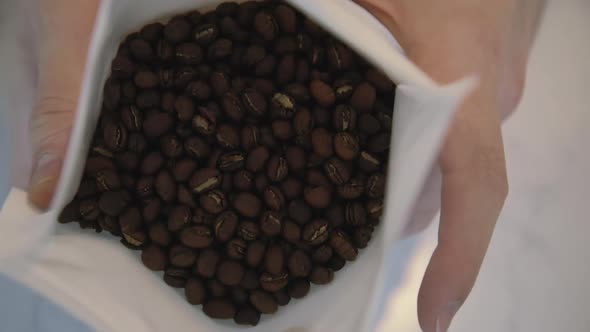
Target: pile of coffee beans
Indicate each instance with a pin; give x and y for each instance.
(243, 151)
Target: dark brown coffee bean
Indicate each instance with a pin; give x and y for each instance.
(277, 169)
(322, 93)
(236, 248)
(136, 143)
(146, 79)
(213, 202)
(199, 90)
(303, 122)
(271, 223)
(243, 180)
(336, 263)
(164, 52)
(363, 98)
(322, 254)
(339, 57)
(286, 18)
(112, 203)
(369, 162)
(141, 50)
(274, 282)
(115, 136)
(355, 214)
(247, 316)
(181, 256)
(152, 32)
(321, 275)
(283, 105)
(282, 297)
(177, 30)
(291, 188)
(135, 240)
(233, 107)
(299, 211)
(154, 258)
(379, 143)
(89, 210)
(379, 81)
(228, 136)
(131, 118)
(230, 273)
(107, 179)
(291, 232)
(353, 189)
(239, 295)
(376, 185)
(220, 83)
(179, 217)
(189, 53)
(87, 189)
(97, 163)
(196, 147)
(253, 55)
(220, 49)
(261, 182)
(282, 129)
(274, 259)
(176, 277)
(274, 199)
(299, 264)
(127, 161)
(341, 244)
(335, 214)
(165, 186)
(265, 67)
(183, 169)
(130, 220)
(375, 208)
(148, 99)
(337, 171)
(318, 197)
(207, 261)
(362, 236)
(195, 291)
(299, 288)
(254, 101)
(171, 146)
(316, 232)
(321, 140)
(145, 186)
(346, 146)
(247, 204)
(286, 69)
(225, 226)
(231, 161)
(285, 44)
(266, 25)
(205, 122)
(219, 308)
(299, 92)
(184, 107)
(184, 75)
(70, 213)
(206, 33)
(267, 138)
(197, 237)
(248, 230)
(250, 137)
(369, 124)
(122, 67)
(216, 288)
(263, 302)
(255, 253)
(157, 123)
(159, 234)
(152, 163)
(151, 209)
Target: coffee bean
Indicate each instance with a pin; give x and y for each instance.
(236, 248)
(268, 139)
(282, 297)
(134, 240)
(375, 208)
(141, 50)
(148, 99)
(339, 57)
(70, 213)
(346, 146)
(115, 136)
(322, 93)
(225, 226)
(283, 105)
(299, 264)
(220, 83)
(176, 277)
(255, 253)
(204, 122)
(159, 234)
(363, 98)
(247, 204)
(197, 237)
(232, 106)
(355, 214)
(248, 230)
(261, 182)
(362, 236)
(230, 273)
(263, 302)
(196, 147)
(286, 69)
(231, 161)
(322, 254)
(291, 232)
(177, 30)
(277, 168)
(165, 186)
(199, 90)
(213, 202)
(318, 197)
(243, 180)
(285, 44)
(219, 309)
(228, 137)
(335, 214)
(376, 185)
(299, 288)
(183, 169)
(181, 256)
(321, 275)
(145, 186)
(207, 261)
(316, 232)
(195, 291)
(379, 143)
(130, 220)
(151, 209)
(299, 211)
(368, 162)
(205, 33)
(271, 223)
(321, 140)
(216, 288)
(154, 258)
(369, 124)
(152, 163)
(184, 107)
(157, 123)
(220, 49)
(303, 122)
(274, 199)
(341, 244)
(131, 118)
(379, 81)
(249, 137)
(122, 67)
(291, 188)
(179, 217)
(247, 316)
(171, 146)
(189, 53)
(353, 189)
(266, 25)
(136, 143)
(89, 210)
(274, 282)
(107, 179)
(112, 203)
(265, 67)
(282, 129)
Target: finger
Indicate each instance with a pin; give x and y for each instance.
(474, 188)
(64, 33)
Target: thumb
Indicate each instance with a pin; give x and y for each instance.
(64, 34)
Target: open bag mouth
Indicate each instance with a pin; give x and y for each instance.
(353, 302)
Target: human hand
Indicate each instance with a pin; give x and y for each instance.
(64, 32)
(449, 40)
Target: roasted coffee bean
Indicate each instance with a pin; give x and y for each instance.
(299, 211)
(322, 254)
(88, 188)
(165, 186)
(141, 50)
(196, 147)
(303, 122)
(355, 214)
(291, 231)
(230, 272)
(220, 49)
(274, 282)
(271, 223)
(274, 199)
(346, 146)
(164, 51)
(261, 182)
(248, 230)
(219, 308)
(181, 256)
(286, 69)
(247, 204)
(195, 291)
(148, 99)
(285, 44)
(299, 264)
(291, 188)
(257, 159)
(339, 57)
(171, 146)
(299, 92)
(145, 186)
(379, 143)
(337, 170)
(363, 98)
(369, 124)
(353, 189)
(232, 106)
(239, 295)
(197, 237)
(179, 217)
(231, 161)
(249, 137)
(127, 161)
(375, 208)
(112, 203)
(283, 105)
(362, 236)
(321, 140)
(152, 163)
(255, 253)
(265, 67)
(299, 288)
(184, 75)
(136, 143)
(70, 213)
(225, 226)
(220, 83)
(236, 248)
(151, 209)
(183, 169)
(154, 258)
(135, 240)
(115, 136)
(376, 185)
(266, 25)
(316, 232)
(97, 163)
(253, 55)
(341, 244)
(243, 180)
(184, 107)
(282, 129)
(157, 123)
(247, 316)
(321, 275)
(189, 53)
(282, 297)
(335, 214)
(130, 220)
(177, 30)
(199, 90)
(89, 210)
(131, 118)
(207, 261)
(368, 162)
(277, 168)
(216, 288)
(318, 197)
(206, 33)
(322, 93)
(107, 179)
(152, 32)
(213, 202)
(205, 122)
(176, 277)
(379, 81)
(228, 137)
(122, 67)
(343, 89)
(145, 79)
(159, 234)
(267, 138)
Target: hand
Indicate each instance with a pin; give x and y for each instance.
(64, 32)
(448, 40)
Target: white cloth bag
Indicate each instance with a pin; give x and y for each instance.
(104, 284)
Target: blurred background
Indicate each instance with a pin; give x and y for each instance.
(534, 277)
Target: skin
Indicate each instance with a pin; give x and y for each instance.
(448, 40)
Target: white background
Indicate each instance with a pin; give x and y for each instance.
(536, 273)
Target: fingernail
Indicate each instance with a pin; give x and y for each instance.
(445, 316)
(44, 179)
